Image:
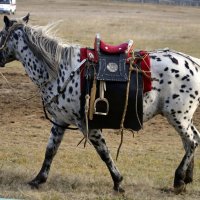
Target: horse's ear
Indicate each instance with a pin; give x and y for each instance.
(26, 18)
(6, 21)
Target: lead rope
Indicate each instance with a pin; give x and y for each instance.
(19, 97)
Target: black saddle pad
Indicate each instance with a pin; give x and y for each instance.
(115, 94)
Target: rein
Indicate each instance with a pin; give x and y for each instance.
(20, 98)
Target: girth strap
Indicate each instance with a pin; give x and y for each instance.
(54, 123)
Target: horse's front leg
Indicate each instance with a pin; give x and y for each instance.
(96, 138)
(52, 147)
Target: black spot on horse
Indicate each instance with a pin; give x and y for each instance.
(192, 96)
(174, 60)
(70, 90)
(158, 59)
(180, 127)
(166, 69)
(175, 96)
(185, 77)
(58, 88)
(161, 75)
(173, 111)
(60, 73)
(63, 79)
(183, 86)
(153, 57)
(16, 36)
(25, 48)
(161, 81)
(191, 72)
(187, 64)
(174, 71)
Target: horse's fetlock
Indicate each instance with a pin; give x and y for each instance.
(188, 180)
(179, 187)
(117, 183)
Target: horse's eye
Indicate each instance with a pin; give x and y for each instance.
(2, 34)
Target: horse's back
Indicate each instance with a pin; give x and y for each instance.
(175, 85)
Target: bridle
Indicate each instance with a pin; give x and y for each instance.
(8, 34)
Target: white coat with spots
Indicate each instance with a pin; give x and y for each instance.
(175, 93)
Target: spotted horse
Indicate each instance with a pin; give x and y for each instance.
(175, 93)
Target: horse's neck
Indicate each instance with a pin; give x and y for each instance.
(33, 66)
(38, 73)
(38, 70)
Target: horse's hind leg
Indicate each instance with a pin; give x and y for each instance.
(99, 143)
(189, 171)
(184, 172)
(52, 147)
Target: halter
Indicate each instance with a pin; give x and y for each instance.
(9, 32)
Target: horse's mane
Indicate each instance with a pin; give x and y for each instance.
(48, 48)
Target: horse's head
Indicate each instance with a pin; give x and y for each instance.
(9, 39)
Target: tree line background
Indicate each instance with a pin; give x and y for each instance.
(169, 2)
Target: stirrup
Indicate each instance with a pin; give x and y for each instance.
(101, 102)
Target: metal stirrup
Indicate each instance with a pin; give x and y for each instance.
(101, 100)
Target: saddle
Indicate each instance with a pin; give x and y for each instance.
(107, 101)
(111, 59)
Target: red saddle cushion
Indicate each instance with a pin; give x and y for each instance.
(107, 48)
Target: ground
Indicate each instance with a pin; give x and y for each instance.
(147, 161)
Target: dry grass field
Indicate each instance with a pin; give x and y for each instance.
(147, 161)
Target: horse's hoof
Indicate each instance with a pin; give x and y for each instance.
(188, 180)
(33, 184)
(180, 189)
(119, 190)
